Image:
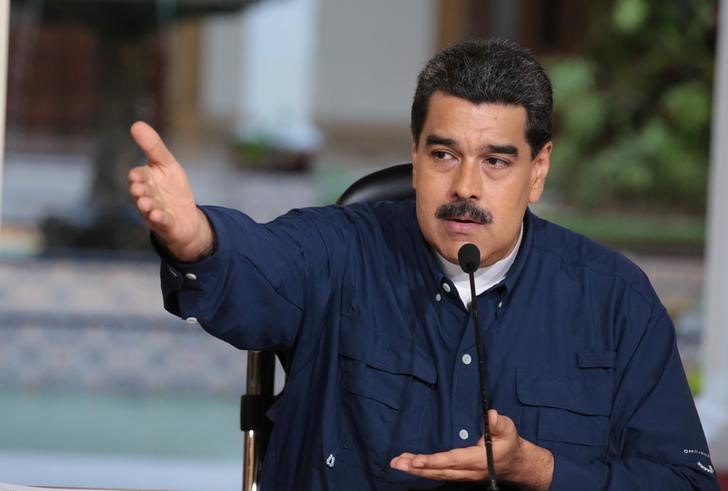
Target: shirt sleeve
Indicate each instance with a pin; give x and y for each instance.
(656, 440)
(252, 290)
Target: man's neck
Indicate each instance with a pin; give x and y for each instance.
(485, 277)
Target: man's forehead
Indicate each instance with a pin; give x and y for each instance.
(442, 96)
(452, 120)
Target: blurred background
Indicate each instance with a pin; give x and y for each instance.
(271, 105)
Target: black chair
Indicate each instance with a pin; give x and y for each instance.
(389, 184)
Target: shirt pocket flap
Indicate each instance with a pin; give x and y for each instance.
(577, 391)
(596, 359)
(380, 353)
(565, 426)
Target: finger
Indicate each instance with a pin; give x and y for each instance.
(402, 462)
(151, 144)
(157, 220)
(406, 456)
(500, 425)
(137, 189)
(448, 474)
(138, 174)
(492, 418)
(145, 205)
(458, 458)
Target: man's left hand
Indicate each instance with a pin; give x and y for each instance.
(515, 459)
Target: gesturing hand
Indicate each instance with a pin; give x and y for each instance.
(515, 459)
(162, 194)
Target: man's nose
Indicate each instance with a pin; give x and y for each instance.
(467, 181)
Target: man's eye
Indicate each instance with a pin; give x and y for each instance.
(496, 162)
(441, 155)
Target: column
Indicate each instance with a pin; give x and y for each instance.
(713, 401)
(279, 40)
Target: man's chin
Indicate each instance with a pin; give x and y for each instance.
(450, 252)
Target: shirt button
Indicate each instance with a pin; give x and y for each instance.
(191, 320)
(463, 434)
(438, 297)
(330, 460)
(446, 287)
(500, 304)
(191, 276)
(467, 359)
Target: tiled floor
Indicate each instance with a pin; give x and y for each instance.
(93, 325)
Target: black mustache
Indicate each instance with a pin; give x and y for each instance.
(464, 209)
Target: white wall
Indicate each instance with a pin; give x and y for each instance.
(221, 60)
(369, 55)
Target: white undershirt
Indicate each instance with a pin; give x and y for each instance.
(485, 277)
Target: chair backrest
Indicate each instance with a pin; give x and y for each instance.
(389, 184)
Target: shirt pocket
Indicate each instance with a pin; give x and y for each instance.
(386, 388)
(570, 409)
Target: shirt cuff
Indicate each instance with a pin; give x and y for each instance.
(194, 278)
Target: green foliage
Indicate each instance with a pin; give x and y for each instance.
(695, 381)
(633, 119)
(671, 233)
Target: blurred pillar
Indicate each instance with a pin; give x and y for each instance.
(183, 77)
(713, 401)
(4, 24)
(277, 102)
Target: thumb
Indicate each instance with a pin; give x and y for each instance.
(499, 424)
(151, 144)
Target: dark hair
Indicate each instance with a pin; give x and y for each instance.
(496, 71)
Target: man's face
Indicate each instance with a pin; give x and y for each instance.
(474, 176)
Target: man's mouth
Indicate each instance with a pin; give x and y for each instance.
(462, 224)
(465, 220)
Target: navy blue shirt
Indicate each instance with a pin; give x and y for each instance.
(581, 354)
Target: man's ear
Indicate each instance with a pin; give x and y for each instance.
(413, 156)
(539, 170)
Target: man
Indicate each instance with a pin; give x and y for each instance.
(382, 393)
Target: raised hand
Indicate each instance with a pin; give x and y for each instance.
(515, 459)
(162, 193)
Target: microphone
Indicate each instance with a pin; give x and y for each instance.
(469, 259)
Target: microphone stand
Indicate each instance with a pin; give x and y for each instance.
(469, 259)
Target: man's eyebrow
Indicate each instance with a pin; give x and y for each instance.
(440, 140)
(504, 149)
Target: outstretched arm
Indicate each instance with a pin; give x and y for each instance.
(161, 192)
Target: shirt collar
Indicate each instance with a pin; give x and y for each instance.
(430, 261)
(485, 277)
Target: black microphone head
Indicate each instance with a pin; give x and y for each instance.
(469, 258)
